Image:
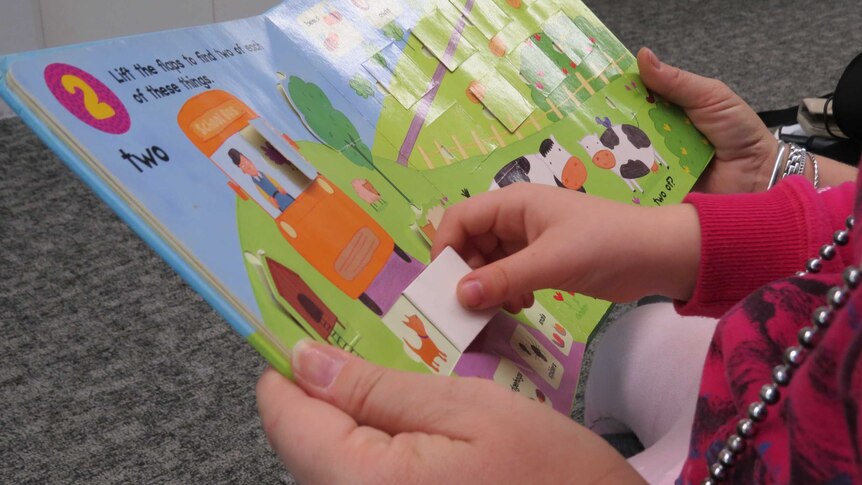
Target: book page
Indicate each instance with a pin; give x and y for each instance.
(302, 160)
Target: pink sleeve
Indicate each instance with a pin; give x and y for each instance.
(748, 240)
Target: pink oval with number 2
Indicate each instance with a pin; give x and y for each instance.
(87, 98)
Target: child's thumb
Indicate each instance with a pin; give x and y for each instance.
(504, 280)
(680, 87)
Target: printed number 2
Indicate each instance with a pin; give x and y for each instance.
(96, 108)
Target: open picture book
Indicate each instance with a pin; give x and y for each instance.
(293, 167)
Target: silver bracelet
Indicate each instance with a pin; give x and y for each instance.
(795, 161)
(782, 147)
(816, 170)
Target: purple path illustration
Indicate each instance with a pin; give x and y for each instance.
(396, 275)
(436, 80)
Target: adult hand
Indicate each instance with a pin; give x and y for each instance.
(348, 421)
(526, 237)
(745, 150)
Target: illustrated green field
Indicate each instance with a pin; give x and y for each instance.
(465, 140)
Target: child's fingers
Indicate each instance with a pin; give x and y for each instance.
(484, 213)
(499, 253)
(472, 256)
(514, 306)
(508, 279)
(486, 243)
(518, 303)
(529, 300)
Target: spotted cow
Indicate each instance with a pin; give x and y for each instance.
(625, 150)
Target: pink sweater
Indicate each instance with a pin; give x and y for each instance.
(752, 245)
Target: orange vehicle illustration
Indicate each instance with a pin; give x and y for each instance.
(323, 224)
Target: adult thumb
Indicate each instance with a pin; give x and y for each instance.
(385, 399)
(504, 280)
(685, 89)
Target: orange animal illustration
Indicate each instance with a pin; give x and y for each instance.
(428, 350)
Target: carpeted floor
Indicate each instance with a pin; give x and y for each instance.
(113, 370)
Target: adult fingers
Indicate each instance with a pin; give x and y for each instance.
(725, 118)
(392, 401)
(306, 432)
(683, 88)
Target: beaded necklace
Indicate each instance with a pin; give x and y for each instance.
(794, 355)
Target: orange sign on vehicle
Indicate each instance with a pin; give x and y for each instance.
(210, 118)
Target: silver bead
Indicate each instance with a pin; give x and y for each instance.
(745, 428)
(725, 457)
(806, 337)
(708, 481)
(814, 265)
(793, 356)
(735, 444)
(770, 393)
(822, 317)
(841, 237)
(801, 273)
(757, 411)
(717, 472)
(781, 375)
(852, 277)
(836, 297)
(849, 222)
(827, 252)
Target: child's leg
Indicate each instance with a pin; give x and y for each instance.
(644, 378)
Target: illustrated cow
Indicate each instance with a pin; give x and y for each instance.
(553, 165)
(625, 150)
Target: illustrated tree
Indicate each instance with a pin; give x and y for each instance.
(379, 59)
(603, 37)
(362, 86)
(328, 124)
(534, 68)
(688, 144)
(393, 31)
(331, 126)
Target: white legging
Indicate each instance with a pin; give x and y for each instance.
(644, 378)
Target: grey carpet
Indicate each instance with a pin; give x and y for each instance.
(113, 370)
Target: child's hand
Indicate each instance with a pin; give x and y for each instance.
(527, 237)
(745, 150)
(348, 421)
